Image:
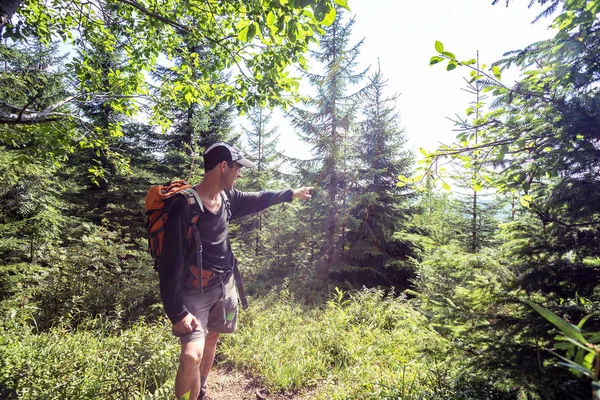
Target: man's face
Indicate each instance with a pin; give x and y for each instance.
(232, 174)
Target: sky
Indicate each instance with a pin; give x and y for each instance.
(402, 34)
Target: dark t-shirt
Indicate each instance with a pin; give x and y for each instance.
(213, 228)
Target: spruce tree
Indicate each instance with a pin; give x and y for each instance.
(376, 241)
(324, 123)
(477, 225)
(262, 149)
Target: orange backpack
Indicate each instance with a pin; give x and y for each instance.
(158, 200)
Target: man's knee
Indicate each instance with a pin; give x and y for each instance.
(191, 354)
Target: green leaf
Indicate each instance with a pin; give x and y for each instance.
(496, 71)
(423, 151)
(439, 47)
(450, 302)
(573, 342)
(292, 32)
(302, 3)
(449, 55)
(329, 17)
(251, 32)
(445, 186)
(435, 59)
(565, 327)
(588, 360)
(451, 66)
(320, 10)
(524, 202)
(270, 18)
(594, 338)
(342, 3)
(584, 319)
(243, 34)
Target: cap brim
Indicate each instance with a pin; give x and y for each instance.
(246, 163)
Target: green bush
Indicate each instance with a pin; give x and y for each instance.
(60, 364)
(102, 274)
(360, 345)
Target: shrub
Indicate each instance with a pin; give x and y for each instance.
(359, 345)
(62, 364)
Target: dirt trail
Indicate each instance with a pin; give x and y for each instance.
(228, 384)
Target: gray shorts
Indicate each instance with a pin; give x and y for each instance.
(215, 309)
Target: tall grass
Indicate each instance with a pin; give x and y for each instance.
(359, 345)
(138, 363)
(362, 345)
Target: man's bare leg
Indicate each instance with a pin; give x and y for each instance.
(210, 349)
(188, 373)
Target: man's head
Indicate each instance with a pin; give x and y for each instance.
(221, 151)
(223, 162)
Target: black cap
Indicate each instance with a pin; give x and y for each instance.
(222, 151)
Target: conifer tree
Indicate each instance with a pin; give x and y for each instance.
(477, 225)
(195, 125)
(379, 210)
(543, 136)
(325, 124)
(30, 217)
(262, 149)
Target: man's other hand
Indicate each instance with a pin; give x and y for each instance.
(303, 193)
(186, 325)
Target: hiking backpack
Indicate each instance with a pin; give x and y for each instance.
(158, 200)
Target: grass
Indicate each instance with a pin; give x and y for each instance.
(61, 364)
(361, 345)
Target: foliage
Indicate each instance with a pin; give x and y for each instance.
(541, 137)
(582, 350)
(262, 149)
(472, 301)
(364, 344)
(86, 363)
(259, 39)
(376, 248)
(34, 76)
(325, 123)
(98, 275)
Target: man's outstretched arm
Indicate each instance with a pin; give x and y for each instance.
(244, 203)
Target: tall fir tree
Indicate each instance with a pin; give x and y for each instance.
(262, 149)
(477, 224)
(325, 125)
(30, 213)
(196, 125)
(376, 241)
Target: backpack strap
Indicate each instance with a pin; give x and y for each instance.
(227, 205)
(236, 271)
(239, 283)
(194, 198)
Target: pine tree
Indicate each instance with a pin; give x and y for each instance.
(325, 124)
(379, 210)
(30, 218)
(262, 149)
(478, 210)
(195, 125)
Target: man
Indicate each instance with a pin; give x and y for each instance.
(192, 309)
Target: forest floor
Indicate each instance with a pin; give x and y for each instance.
(228, 384)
